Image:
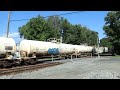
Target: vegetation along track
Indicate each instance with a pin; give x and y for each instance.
(27, 68)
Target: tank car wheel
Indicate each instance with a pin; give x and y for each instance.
(23, 63)
(32, 61)
(6, 65)
(66, 57)
(34, 54)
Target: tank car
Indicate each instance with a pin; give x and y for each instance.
(77, 49)
(66, 48)
(83, 48)
(37, 48)
(101, 50)
(7, 47)
(105, 49)
(89, 49)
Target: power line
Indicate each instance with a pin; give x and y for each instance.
(50, 16)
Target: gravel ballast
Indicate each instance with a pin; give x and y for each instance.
(80, 68)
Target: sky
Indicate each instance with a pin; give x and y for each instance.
(94, 20)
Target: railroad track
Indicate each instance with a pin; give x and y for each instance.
(27, 68)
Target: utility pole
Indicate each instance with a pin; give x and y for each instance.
(61, 35)
(98, 47)
(8, 23)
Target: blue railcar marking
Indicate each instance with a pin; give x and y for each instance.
(53, 51)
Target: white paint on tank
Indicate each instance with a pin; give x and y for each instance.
(83, 48)
(105, 49)
(7, 45)
(66, 48)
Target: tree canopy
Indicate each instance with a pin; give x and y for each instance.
(40, 28)
(112, 29)
(105, 42)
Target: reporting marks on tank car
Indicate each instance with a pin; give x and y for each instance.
(8, 47)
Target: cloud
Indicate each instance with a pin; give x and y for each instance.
(14, 35)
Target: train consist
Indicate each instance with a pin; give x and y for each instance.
(29, 51)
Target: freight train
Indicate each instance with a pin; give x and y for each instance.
(29, 51)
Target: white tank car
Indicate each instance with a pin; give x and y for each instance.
(90, 48)
(66, 48)
(105, 49)
(99, 50)
(36, 48)
(7, 47)
(84, 48)
(77, 48)
(96, 50)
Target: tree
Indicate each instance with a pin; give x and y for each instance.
(105, 42)
(112, 29)
(77, 34)
(65, 28)
(37, 29)
(55, 23)
(53, 27)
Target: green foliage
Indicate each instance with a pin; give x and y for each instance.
(112, 29)
(38, 29)
(41, 29)
(81, 35)
(105, 42)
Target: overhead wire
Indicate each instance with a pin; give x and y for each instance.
(50, 15)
